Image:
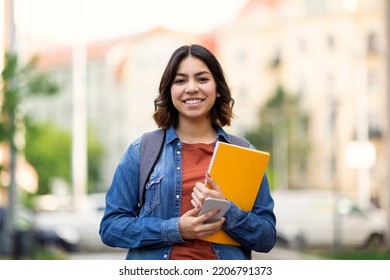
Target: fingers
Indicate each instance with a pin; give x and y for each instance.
(193, 212)
(201, 191)
(212, 227)
(192, 226)
(195, 204)
(212, 183)
(204, 217)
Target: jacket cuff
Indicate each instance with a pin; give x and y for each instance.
(170, 231)
(232, 216)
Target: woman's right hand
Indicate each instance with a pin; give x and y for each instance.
(192, 226)
(201, 191)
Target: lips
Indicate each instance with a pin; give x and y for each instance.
(193, 101)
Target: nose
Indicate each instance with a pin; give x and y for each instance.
(192, 87)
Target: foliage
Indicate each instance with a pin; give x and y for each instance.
(381, 254)
(40, 252)
(18, 82)
(282, 124)
(48, 149)
(95, 156)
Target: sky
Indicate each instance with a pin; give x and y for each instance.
(105, 19)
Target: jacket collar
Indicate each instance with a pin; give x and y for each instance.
(222, 135)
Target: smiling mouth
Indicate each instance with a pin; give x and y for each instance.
(193, 101)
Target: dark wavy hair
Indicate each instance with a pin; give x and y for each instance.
(166, 114)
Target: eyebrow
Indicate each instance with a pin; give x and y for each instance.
(197, 74)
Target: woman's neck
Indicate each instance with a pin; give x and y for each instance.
(196, 133)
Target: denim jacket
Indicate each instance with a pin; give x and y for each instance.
(150, 232)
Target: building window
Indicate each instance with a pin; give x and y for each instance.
(374, 125)
(330, 41)
(372, 81)
(372, 43)
(332, 166)
(277, 59)
(301, 45)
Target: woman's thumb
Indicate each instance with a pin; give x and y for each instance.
(193, 212)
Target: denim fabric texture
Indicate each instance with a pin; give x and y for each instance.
(150, 232)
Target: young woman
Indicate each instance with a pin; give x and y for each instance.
(193, 105)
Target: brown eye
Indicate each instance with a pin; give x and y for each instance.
(179, 81)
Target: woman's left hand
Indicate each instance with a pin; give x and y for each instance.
(201, 191)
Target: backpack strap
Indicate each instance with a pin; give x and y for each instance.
(239, 141)
(152, 144)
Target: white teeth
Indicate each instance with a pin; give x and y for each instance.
(193, 101)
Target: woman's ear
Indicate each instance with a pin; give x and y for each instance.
(218, 94)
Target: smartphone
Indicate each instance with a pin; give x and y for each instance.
(213, 203)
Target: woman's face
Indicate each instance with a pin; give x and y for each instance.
(193, 90)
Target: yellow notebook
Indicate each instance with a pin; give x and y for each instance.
(239, 172)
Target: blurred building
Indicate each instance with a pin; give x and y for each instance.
(332, 54)
(329, 52)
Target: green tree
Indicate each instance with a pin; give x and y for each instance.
(48, 149)
(282, 130)
(18, 82)
(95, 156)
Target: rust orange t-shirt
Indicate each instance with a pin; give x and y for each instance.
(195, 161)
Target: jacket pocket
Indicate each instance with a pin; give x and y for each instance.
(152, 194)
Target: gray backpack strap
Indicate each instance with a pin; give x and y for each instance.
(239, 141)
(152, 144)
